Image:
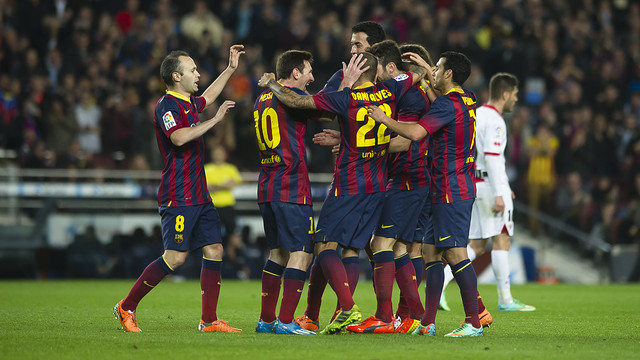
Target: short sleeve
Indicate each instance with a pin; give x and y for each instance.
(334, 101)
(439, 115)
(168, 117)
(495, 138)
(334, 82)
(411, 106)
(400, 84)
(200, 102)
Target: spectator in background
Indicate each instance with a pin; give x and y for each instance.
(541, 174)
(222, 178)
(88, 114)
(194, 24)
(61, 126)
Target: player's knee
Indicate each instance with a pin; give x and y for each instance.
(213, 251)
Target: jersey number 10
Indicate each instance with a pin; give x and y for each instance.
(269, 119)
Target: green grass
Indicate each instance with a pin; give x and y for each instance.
(73, 319)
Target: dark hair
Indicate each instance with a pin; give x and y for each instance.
(500, 83)
(418, 49)
(171, 64)
(289, 60)
(387, 51)
(459, 63)
(372, 62)
(375, 32)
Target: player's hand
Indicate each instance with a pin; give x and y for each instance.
(376, 113)
(335, 150)
(327, 137)
(234, 55)
(418, 60)
(498, 205)
(351, 72)
(224, 109)
(513, 195)
(264, 80)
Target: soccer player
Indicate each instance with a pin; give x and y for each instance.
(284, 195)
(492, 216)
(451, 123)
(363, 35)
(189, 218)
(406, 199)
(352, 207)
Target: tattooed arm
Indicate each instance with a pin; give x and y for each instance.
(285, 95)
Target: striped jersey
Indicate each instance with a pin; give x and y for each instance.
(183, 180)
(284, 175)
(451, 121)
(334, 82)
(408, 170)
(361, 165)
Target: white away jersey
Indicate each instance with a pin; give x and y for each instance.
(491, 141)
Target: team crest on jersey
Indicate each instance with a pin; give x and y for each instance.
(168, 120)
(178, 239)
(401, 77)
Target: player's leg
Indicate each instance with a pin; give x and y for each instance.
(434, 280)
(501, 270)
(351, 262)
(271, 281)
(177, 226)
(272, 271)
(407, 282)
(293, 283)
(207, 235)
(466, 278)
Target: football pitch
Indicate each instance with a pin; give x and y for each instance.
(73, 319)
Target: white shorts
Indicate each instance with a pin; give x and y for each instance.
(484, 222)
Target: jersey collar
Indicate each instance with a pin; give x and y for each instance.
(179, 96)
(362, 86)
(458, 90)
(492, 107)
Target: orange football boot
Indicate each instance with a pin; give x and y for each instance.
(372, 325)
(127, 318)
(217, 326)
(306, 323)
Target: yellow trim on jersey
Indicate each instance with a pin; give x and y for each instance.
(458, 90)
(365, 85)
(179, 96)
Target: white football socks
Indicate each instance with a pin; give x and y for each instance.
(500, 265)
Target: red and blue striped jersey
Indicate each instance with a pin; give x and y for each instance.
(361, 165)
(409, 169)
(183, 181)
(451, 121)
(284, 175)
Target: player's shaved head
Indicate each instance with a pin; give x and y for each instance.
(289, 60)
(372, 62)
(501, 83)
(417, 49)
(387, 51)
(171, 64)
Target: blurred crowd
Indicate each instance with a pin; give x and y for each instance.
(79, 81)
